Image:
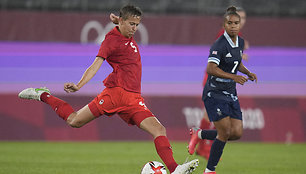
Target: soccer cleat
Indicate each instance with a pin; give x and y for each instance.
(33, 93)
(194, 140)
(186, 168)
(210, 172)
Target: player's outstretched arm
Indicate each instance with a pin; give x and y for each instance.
(88, 75)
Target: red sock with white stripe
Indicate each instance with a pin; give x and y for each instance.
(164, 151)
(62, 108)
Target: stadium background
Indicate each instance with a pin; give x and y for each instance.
(50, 42)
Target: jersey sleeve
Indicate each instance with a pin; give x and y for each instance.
(105, 49)
(215, 54)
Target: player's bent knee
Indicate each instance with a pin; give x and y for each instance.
(227, 133)
(236, 135)
(224, 135)
(160, 130)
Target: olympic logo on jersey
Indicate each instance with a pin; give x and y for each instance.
(102, 31)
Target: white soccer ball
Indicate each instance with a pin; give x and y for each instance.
(154, 167)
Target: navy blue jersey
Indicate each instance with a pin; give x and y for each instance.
(227, 55)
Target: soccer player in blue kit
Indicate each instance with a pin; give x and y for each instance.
(219, 94)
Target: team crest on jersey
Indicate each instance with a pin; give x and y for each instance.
(101, 102)
(219, 111)
(214, 52)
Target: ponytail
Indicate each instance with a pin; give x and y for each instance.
(232, 10)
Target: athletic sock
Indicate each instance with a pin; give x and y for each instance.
(215, 154)
(61, 108)
(208, 134)
(164, 151)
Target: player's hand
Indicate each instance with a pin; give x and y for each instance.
(240, 79)
(114, 18)
(252, 77)
(70, 87)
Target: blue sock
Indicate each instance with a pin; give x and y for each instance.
(215, 154)
(209, 134)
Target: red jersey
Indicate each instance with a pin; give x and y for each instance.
(123, 55)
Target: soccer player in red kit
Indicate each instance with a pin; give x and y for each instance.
(122, 93)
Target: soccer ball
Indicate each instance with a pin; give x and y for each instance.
(154, 167)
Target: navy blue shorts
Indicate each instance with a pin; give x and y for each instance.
(218, 109)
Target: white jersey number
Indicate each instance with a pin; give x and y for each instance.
(235, 66)
(133, 46)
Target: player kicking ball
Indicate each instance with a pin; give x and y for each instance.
(122, 94)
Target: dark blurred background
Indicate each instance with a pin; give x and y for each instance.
(276, 8)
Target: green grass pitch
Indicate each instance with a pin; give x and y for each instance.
(129, 157)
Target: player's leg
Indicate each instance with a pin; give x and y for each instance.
(204, 145)
(152, 126)
(236, 121)
(80, 118)
(236, 129)
(201, 134)
(62, 108)
(145, 120)
(163, 147)
(223, 127)
(65, 111)
(136, 112)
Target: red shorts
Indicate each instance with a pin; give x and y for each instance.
(128, 105)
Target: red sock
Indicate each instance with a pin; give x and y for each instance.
(61, 108)
(164, 151)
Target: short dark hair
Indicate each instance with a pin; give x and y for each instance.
(232, 10)
(130, 10)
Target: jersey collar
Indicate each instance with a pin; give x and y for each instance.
(117, 32)
(229, 40)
